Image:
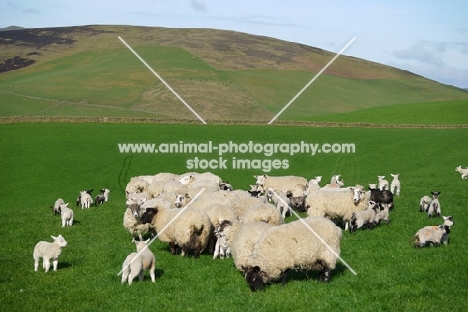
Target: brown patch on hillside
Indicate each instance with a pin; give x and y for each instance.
(14, 63)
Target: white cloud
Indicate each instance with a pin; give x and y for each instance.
(199, 6)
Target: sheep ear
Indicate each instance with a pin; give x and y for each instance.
(53, 237)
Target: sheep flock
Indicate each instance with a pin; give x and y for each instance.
(199, 213)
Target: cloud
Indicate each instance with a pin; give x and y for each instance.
(423, 53)
(30, 11)
(199, 6)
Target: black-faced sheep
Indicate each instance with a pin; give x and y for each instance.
(48, 251)
(364, 217)
(293, 246)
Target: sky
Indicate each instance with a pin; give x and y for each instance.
(426, 37)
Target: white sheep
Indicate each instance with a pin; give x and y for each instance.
(137, 262)
(364, 217)
(395, 186)
(383, 184)
(85, 199)
(433, 235)
(462, 171)
(314, 184)
(335, 182)
(56, 207)
(281, 199)
(434, 206)
(243, 203)
(264, 212)
(293, 246)
(66, 215)
(189, 230)
(48, 251)
(136, 185)
(294, 184)
(241, 238)
(424, 203)
(133, 224)
(337, 206)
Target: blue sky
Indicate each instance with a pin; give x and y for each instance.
(429, 38)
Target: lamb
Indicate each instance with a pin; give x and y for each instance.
(383, 184)
(433, 235)
(56, 207)
(48, 251)
(255, 191)
(293, 246)
(463, 172)
(221, 248)
(78, 199)
(364, 217)
(241, 238)
(186, 179)
(280, 199)
(294, 184)
(314, 184)
(395, 186)
(382, 197)
(85, 199)
(67, 215)
(337, 205)
(382, 215)
(103, 197)
(137, 262)
(424, 203)
(434, 206)
(335, 182)
(189, 230)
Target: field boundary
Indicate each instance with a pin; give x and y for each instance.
(143, 120)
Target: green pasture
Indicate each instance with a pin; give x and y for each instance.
(41, 162)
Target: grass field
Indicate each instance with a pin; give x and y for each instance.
(44, 161)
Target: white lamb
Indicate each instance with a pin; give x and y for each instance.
(314, 184)
(335, 182)
(337, 206)
(137, 262)
(364, 217)
(383, 184)
(293, 246)
(424, 203)
(395, 186)
(383, 215)
(56, 207)
(294, 184)
(221, 248)
(463, 172)
(280, 199)
(190, 230)
(48, 251)
(67, 215)
(433, 235)
(86, 199)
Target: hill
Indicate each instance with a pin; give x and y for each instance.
(223, 75)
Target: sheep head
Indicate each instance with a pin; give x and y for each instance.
(59, 240)
(148, 215)
(255, 277)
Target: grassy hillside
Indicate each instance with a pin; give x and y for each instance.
(223, 75)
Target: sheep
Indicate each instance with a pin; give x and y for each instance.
(364, 217)
(372, 185)
(103, 197)
(78, 199)
(433, 235)
(294, 184)
(225, 186)
(382, 197)
(136, 185)
(314, 184)
(298, 202)
(66, 215)
(241, 205)
(255, 191)
(264, 212)
(424, 203)
(48, 251)
(434, 206)
(293, 246)
(132, 223)
(186, 179)
(137, 262)
(337, 205)
(335, 182)
(56, 207)
(240, 238)
(221, 248)
(383, 184)
(382, 215)
(395, 186)
(280, 199)
(463, 172)
(218, 212)
(189, 230)
(85, 199)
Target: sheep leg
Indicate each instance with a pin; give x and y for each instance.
(55, 264)
(284, 277)
(325, 275)
(141, 275)
(151, 271)
(36, 264)
(174, 248)
(46, 264)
